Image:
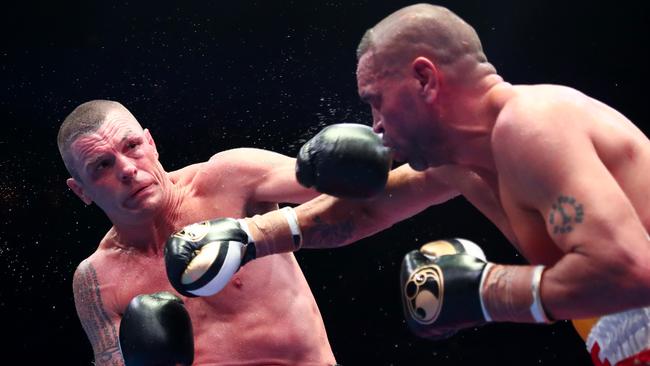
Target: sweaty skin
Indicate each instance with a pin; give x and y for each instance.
(562, 175)
(266, 315)
(566, 171)
(573, 184)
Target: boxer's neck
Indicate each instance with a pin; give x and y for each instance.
(471, 119)
(150, 234)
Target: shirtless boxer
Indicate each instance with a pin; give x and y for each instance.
(266, 315)
(562, 175)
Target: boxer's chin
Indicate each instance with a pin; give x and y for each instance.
(418, 164)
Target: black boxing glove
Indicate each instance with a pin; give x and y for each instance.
(440, 288)
(202, 257)
(156, 330)
(344, 160)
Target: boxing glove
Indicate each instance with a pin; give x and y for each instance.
(344, 160)
(156, 330)
(201, 258)
(440, 288)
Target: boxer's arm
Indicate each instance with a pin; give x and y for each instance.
(331, 222)
(99, 323)
(266, 176)
(327, 222)
(560, 177)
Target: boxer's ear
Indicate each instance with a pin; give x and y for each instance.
(78, 189)
(428, 76)
(150, 141)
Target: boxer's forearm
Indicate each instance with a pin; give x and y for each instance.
(575, 287)
(580, 287)
(324, 222)
(329, 222)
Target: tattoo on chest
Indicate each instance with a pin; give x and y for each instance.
(566, 212)
(101, 331)
(331, 234)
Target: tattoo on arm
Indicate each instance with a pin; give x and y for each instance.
(101, 331)
(331, 235)
(565, 213)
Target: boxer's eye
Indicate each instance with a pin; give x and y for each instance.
(374, 100)
(102, 165)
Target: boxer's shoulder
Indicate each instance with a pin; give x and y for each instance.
(199, 176)
(186, 174)
(531, 94)
(110, 277)
(239, 167)
(239, 154)
(93, 271)
(534, 108)
(89, 285)
(530, 130)
(227, 161)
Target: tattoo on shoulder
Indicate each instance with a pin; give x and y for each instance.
(331, 235)
(565, 213)
(101, 331)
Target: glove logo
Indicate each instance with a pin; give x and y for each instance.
(424, 292)
(194, 232)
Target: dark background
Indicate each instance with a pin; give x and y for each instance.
(208, 76)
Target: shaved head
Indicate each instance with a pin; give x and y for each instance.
(83, 120)
(424, 30)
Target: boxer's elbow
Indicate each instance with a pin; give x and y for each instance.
(629, 275)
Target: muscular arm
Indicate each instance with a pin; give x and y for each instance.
(328, 222)
(606, 264)
(266, 175)
(99, 323)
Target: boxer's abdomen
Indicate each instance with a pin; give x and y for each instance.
(266, 314)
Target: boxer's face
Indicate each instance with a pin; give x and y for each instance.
(398, 111)
(118, 168)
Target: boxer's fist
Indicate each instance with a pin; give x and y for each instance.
(344, 160)
(201, 258)
(156, 330)
(440, 288)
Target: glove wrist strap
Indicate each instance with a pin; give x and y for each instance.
(512, 294)
(292, 219)
(536, 308)
(486, 314)
(274, 232)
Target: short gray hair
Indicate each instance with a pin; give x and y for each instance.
(84, 119)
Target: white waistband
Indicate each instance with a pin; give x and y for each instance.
(621, 335)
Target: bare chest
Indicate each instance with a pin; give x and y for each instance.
(130, 275)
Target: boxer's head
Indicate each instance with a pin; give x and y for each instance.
(411, 66)
(112, 160)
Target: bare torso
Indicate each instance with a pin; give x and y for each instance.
(622, 148)
(266, 315)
